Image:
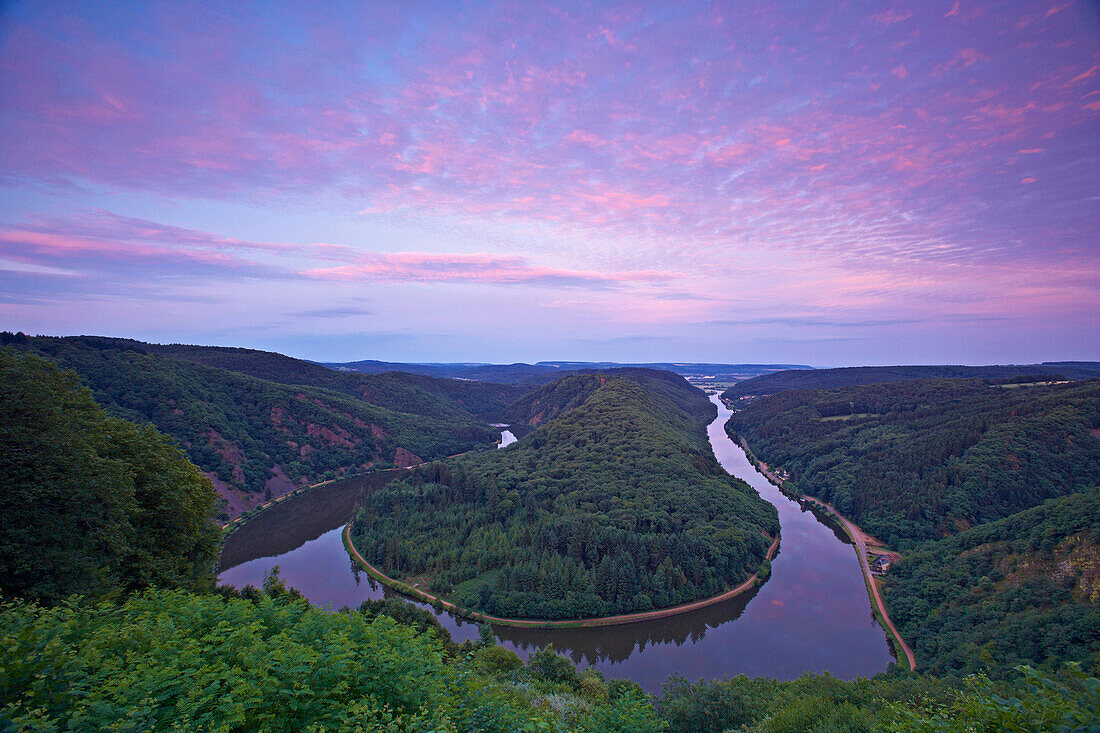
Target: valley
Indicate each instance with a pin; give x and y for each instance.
(606, 526)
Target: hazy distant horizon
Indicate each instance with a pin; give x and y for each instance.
(870, 183)
(558, 358)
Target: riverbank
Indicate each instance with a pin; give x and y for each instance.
(860, 541)
(618, 620)
(231, 527)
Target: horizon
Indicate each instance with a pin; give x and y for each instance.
(870, 185)
(673, 362)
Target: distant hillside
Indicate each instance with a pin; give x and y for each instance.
(769, 384)
(614, 504)
(501, 373)
(547, 371)
(444, 398)
(552, 400)
(919, 460)
(256, 437)
(696, 372)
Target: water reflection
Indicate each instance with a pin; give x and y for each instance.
(813, 614)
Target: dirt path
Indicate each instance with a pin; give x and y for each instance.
(862, 540)
(629, 618)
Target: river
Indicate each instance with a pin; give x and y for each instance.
(812, 615)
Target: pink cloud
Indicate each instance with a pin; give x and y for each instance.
(472, 268)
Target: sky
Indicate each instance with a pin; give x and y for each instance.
(824, 183)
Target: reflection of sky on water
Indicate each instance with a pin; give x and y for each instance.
(813, 614)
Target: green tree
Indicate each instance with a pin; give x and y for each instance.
(92, 504)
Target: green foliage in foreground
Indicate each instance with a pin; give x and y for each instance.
(1032, 702)
(1024, 589)
(172, 661)
(175, 661)
(615, 506)
(91, 504)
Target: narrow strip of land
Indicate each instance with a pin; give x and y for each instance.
(629, 618)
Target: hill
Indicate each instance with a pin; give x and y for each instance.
(257, 438)
(549, 401)
(914, 461)
(92, 504)
(1022, 590)
(614, 504)
(443, 398)
(769, 384)
(989, 491)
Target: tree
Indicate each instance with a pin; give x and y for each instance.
(104, 505)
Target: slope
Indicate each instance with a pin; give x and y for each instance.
(769, 384)
(92, 504)
(989, 490)
(1022, 590)
(913, 461)
(251, 435)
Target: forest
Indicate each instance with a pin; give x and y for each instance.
(989, 490)
(769, 384)
(244, 431)
(919, 460)
(1025, 589)
(92, 504)
(613, 505)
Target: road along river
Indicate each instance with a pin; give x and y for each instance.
(812, 614)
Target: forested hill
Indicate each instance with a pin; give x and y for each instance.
(255, 436)
(1022, 589)
(955, 474)
(450, 399)
(769, 384)
(567, 393)
(913, 461)
(614, 504)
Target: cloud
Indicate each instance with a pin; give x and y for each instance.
(473, 268)
(640, 142)
(343, 312)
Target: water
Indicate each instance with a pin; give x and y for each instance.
(812, 615)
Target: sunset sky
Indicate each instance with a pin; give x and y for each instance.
(826, 183)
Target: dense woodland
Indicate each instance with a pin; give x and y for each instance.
(915, 461)
(1025, 589)
(769, 384)
(614, 504)
(92, 504)
(955, 473)
(245, 430)
(444, 398)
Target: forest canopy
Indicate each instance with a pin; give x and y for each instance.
(614, 504)
(249, 432)
(92, 504)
